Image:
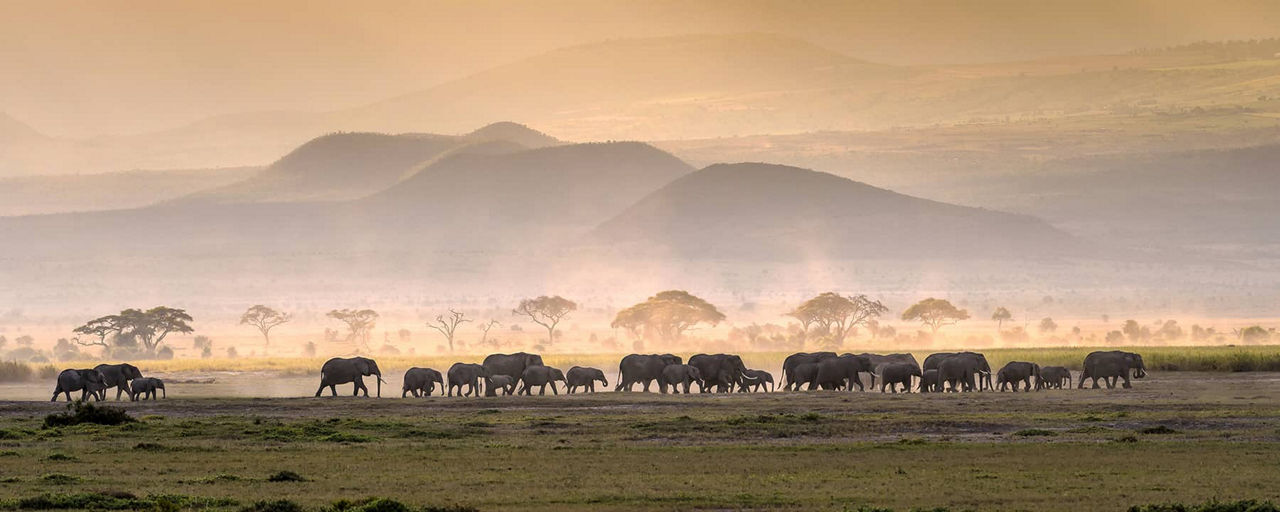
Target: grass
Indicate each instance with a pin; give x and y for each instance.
(85, 412)
(794, 451)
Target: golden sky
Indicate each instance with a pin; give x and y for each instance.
(78, 68)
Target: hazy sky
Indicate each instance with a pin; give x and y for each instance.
(78, 68)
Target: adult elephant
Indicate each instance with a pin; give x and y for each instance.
(1054, 377)
(879, 360)
(540, 376)
(789, 382)
(1017, 372)
(959, 371)
(466, 374)
(644, 369)
(840, 372)
(88, 381)
(929, 381)
(1110, 365)
(806, 374)
(724, 371)
(584, 377)
(677, 375)
(421, 381)
(341, 370)
(984, 369)
(892, 374)
(146, 387)
(511, 365)
(118, 376)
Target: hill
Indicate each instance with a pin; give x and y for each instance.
(13, 130)
(34, 195)
(763, 211)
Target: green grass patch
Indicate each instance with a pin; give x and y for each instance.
(1034, 432)
(83, 412)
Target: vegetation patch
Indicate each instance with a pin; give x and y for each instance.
(1034, 432)
(59, 478)
(1090, 429)
(286, 476)
(342, 437)
(273, 506)
(1211, 506)
(83, 412)
(60, 457)
(1158, 430)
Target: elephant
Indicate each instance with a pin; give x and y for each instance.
(644, 368)
(118, 376)
(878, 360)
(675, 375)
(503, 382)
(466, 374)
(1017, 372)
(584, 377)
(724, 371)
(789, 382)
(421, 382)
(759, 380)
(341, 370)
(1053, 377)
(147, 387)
(1110, 365)
(88, 381)
(892, 374)
(982, 371)
(959, 370)
(511, 365)
(540, 376)
(929, 381)
(840, 372)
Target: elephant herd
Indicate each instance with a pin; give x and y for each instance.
(520, 373)
(94, 382)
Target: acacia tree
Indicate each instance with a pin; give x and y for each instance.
(484, 330)
(134, 327)
(360, 323)
(837, 314)
(447, 325)
(264, 319)
(547, 312)
(667, 316)
(935, 313)
(1000, 316)
(1047, 325)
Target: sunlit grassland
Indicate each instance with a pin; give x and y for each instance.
(1205, 358)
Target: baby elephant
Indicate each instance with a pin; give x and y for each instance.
(929, 382)
(756, 380)
(1017, 372)
(146, 387)
(584, 377)
(676, 374)
(1053, 377)
(540, 376)
(505, 383)
(898, 373)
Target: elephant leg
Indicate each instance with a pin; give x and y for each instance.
(1126, 380)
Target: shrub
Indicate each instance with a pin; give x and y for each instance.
(47, 371)
(286, 476)
(83, 412)
(59, 478)
(13, 371)
(1158, 430)
(59, 457)
(273, 506)
(1212, 506)
(1035, 432)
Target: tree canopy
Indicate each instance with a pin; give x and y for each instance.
(837, 315)
(264, 319)
(1000, 316)
(935, 313)
(546, 311)
(134, 328)
(448, 325)
(667, 315)
(360, 323)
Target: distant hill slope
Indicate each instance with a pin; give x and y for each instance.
(36, 195)
(756, 211)
(14, 131)
(344, 166)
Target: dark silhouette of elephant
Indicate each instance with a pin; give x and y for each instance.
(421, 381)
(789, 382)
(146, 387)
(840, 372)
(929, 381)
(584, 377)
(341, 370)
(677, 375)
(88, 381)
(958, 371)
(540, 376)
(722, 372)
(1017, 372)
(1110, 365)
(977, 363)
(118, 376)
(511, 365)
(756, 380)
(500, 382)
(644, 369)
(805, 374)
(892, 374)
(878, 360)
(466, 374)
(1054, 377)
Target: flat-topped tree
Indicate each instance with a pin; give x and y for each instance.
(360, 323)
(547, 312)
(667, 315)
(837, 315)
(264, 319)
(1000, 316)
(134, 327)
(935, 313)
(448, 325)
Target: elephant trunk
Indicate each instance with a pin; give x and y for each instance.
(380, 381)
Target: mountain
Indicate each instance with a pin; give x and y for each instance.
(34, 195)
(14, 131)
(764, 211)
(512, 132)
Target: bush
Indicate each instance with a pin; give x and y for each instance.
(83, 412)
(59, 478)
(273, 506)
(1212, 506)
(286, 476)
(13, 371)
(1158, 429)
(1035, 432)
